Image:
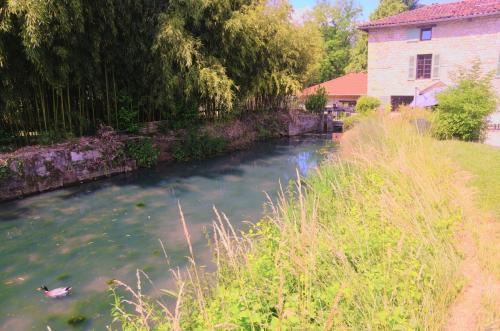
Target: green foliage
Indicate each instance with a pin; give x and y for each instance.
(64, 63)
(337, 23)
(349, 122)
(316, 102)
(76, 320)
(53, 137)
(388, 8)
(142, 151)
(69, 66)
(359, 54)
(462, 110)
(223, 53)
(479, 159)
(63, 277)
(127, 115)
(367, 104)
(5, 170)
(198, 146)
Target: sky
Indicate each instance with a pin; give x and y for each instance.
(368, 6)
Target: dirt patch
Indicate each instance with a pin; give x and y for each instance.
(467, 312)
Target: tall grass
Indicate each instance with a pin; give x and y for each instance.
(365, 243)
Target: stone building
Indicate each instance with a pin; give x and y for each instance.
(411, 53)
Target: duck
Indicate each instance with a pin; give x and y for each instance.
(56, 293)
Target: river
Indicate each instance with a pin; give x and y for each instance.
(85, 235)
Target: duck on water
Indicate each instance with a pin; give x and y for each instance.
(56, 293)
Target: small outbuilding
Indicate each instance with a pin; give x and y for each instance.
(342, 92)
(426, 98)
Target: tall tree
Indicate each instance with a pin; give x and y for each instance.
(337, 23)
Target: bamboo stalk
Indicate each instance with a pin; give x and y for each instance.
(62, 111)
(80, 118)
(69, 109)
(115, 97)
(54, 108)
(107, 94)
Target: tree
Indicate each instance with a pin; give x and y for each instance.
(359, 54)
(412, 4)
(68, 66)
(337, 23)
(388, 8)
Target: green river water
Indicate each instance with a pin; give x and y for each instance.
(85, 235)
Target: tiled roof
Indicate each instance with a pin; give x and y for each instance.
(438, 12)
(350, 84)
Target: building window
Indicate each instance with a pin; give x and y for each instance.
(426, 34)
(424, 66)
(400, 100)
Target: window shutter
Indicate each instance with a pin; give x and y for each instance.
(498, 65)
(435, 64)
(411, 69)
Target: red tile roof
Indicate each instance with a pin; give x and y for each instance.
(350, 84)
(438, 12)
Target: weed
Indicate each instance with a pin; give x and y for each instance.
(197, 146)
(143, 151)
(62, 277)
(76, 320)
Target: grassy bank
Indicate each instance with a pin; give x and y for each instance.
(483, 162)
(364, 243)
(481, 165)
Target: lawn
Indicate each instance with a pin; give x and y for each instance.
(483, 163)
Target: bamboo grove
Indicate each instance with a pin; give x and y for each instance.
(67, 66)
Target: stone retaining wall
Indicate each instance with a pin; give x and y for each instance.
(35, 169)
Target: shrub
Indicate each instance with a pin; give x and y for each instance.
(197, 146)
(462, 110)
(5, 171)
(53, 137)
(316, 102)
(127, 115)
(142, 151)
(349, 122)
(366, 104)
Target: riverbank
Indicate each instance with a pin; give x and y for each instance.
(83, 236)
(36, 169)
(372, 240)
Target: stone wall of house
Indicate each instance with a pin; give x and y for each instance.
(35, 169)
(457, 43)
